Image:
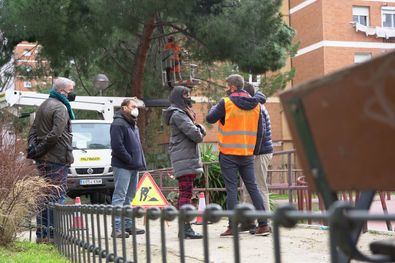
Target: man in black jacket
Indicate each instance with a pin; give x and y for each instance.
(127, 159)
(265, 154)
(50, 145)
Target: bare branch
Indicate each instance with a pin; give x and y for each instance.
(165, 35)
(212, 82)
(185, 32)
(122, 44)
(116, 61)
(79, 77)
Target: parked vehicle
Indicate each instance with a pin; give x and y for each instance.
(91, 173)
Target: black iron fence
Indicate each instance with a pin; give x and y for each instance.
(282, 176)
(83, 232)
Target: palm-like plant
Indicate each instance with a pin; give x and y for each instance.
(215, 179)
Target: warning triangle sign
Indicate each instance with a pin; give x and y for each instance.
(148, 193)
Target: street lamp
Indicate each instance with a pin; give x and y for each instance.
(100, 82)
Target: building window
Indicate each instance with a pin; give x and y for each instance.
(27, 84)
(27, 53)
(362, 57)
(28, 69)
(388, 16)
(254, 79)
(360, 14)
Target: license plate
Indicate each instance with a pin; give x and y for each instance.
(90, 181)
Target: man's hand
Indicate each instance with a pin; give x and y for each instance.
(36, 151)
(31, 151)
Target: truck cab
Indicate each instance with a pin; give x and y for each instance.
(91, 173)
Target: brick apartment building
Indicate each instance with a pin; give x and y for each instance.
(25, 57)
(334, 34)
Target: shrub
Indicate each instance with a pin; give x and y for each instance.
(214, 176)
(20, 185)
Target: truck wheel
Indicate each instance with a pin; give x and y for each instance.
(100, 198)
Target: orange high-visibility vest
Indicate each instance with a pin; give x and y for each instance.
(176, 56)
(238, 135)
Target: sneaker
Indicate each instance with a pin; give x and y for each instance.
(263, 230)
(139, 231)
(227, 233)
(119, 234)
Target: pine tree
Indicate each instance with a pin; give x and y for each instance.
(119, 37)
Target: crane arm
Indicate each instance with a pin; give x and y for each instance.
(102, 105)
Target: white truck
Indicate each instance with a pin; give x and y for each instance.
(91, 173)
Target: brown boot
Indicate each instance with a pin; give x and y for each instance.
(263, 230)
(227, 233)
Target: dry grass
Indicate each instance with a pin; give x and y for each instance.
(21, 187)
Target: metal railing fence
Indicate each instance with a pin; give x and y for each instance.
(289, 185)
(92, 241)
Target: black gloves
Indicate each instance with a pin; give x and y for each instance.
(31, 151)
(35, 151)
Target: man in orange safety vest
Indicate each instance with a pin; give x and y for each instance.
(240, 126)
(172, 60)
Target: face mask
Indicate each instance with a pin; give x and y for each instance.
(135, 112)
(188, 101)
(71, 96)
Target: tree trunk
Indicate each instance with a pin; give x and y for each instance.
(141, 56)
(138, 71)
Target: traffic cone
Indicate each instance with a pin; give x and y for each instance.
(202, 206)
(78, 222)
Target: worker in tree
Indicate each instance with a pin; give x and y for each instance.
(172, 60)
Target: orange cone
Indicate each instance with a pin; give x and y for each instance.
(78, 222)
(202, 206)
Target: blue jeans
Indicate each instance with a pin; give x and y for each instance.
(124, 192)
(230, 165)
(57, 175)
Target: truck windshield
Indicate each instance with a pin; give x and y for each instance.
(91, 135)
